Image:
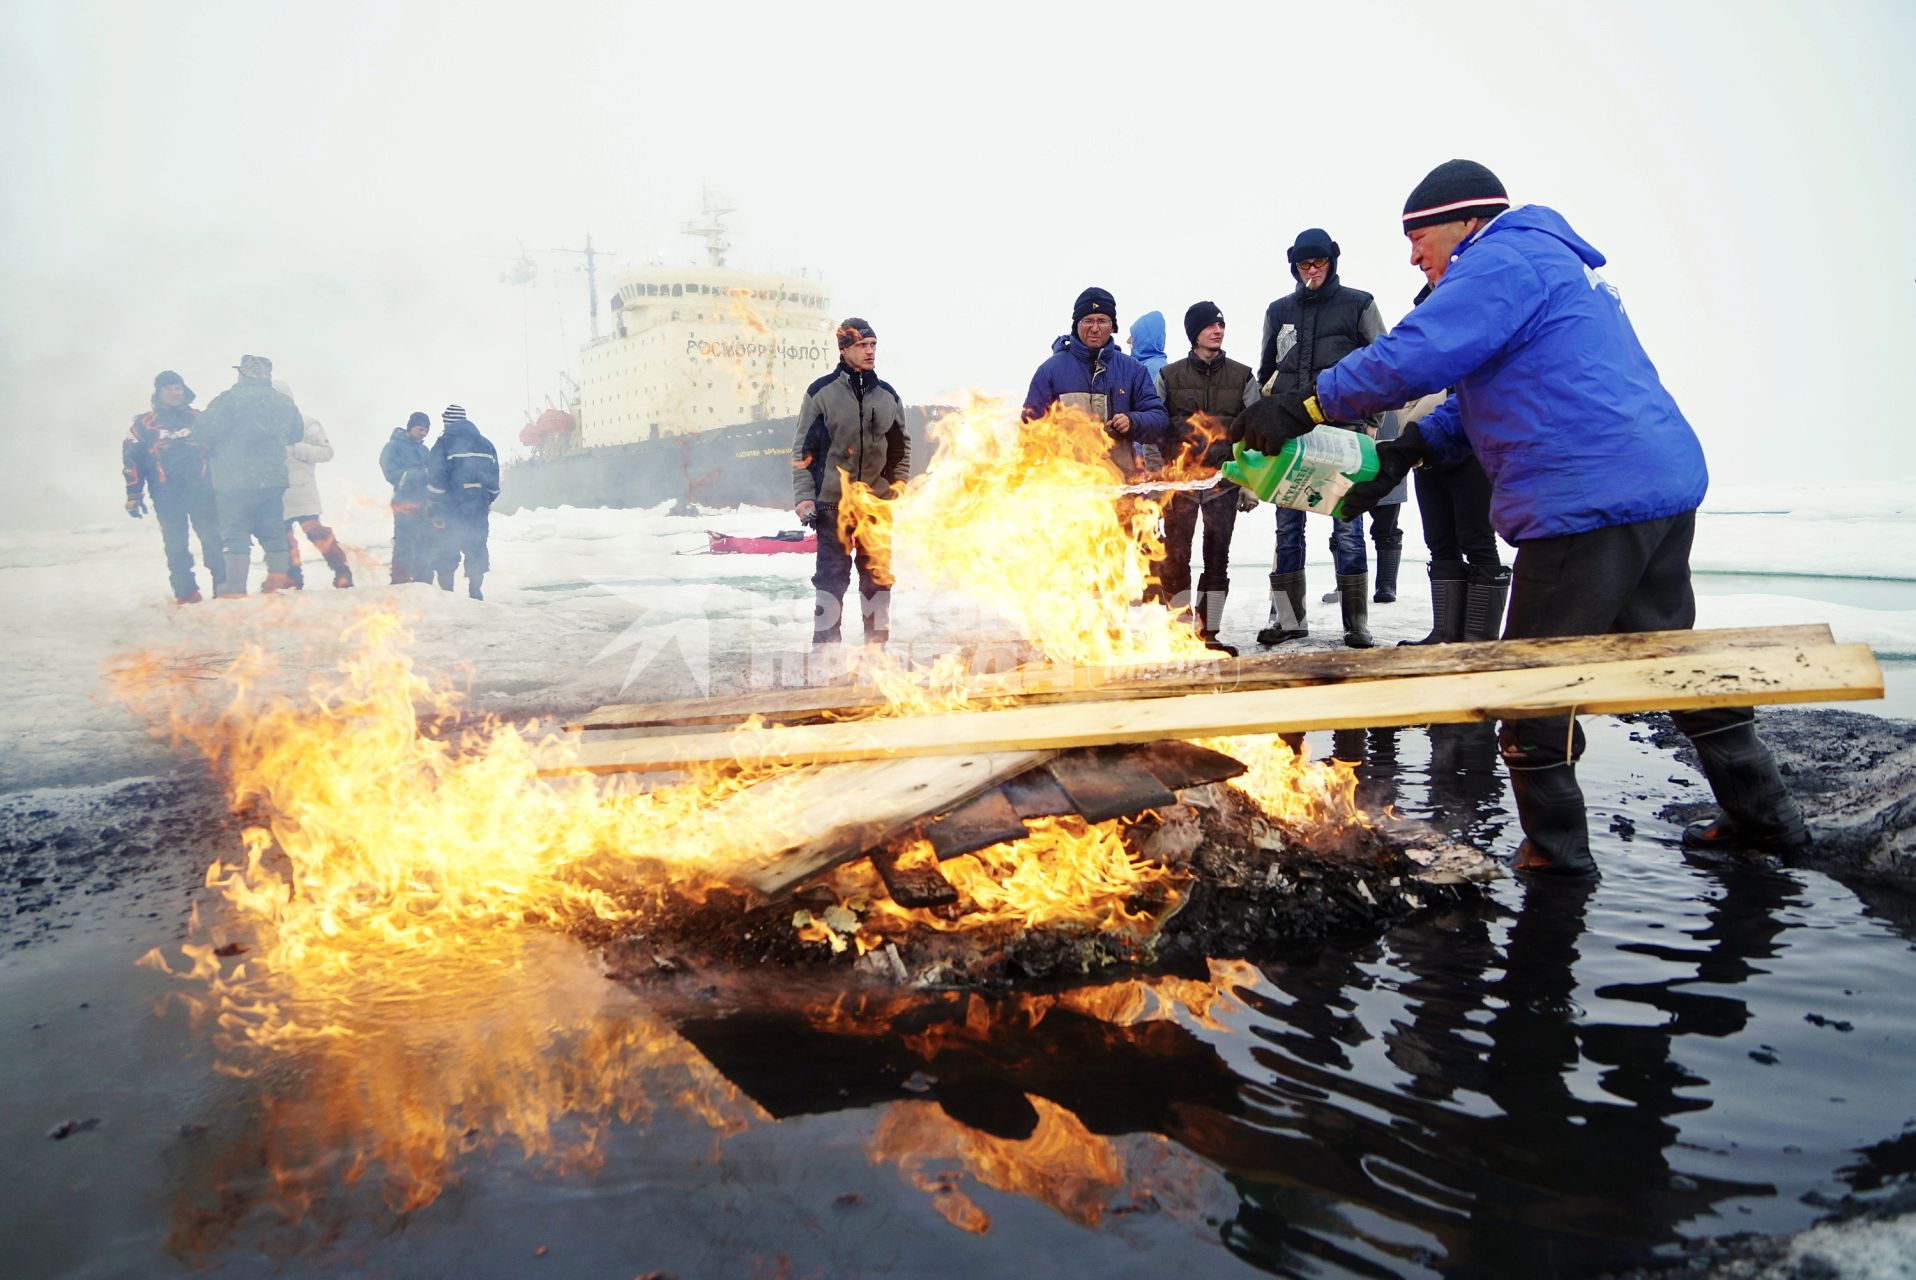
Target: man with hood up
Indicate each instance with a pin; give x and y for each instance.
(1307, 331)
(246, 430)
(1087, 372)
(404, 462)
(1595, 478)
(462, 479)
(162, 456)
(301, 504)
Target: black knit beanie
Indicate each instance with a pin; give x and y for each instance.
(851, 329)
(1453, 191)
(418, 420)
(1094, 302)
(1201, 316)
(1312, 242)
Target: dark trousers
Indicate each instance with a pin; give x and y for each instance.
(177, 506)
(464, 532)
(1630, 577)
(246, 516)
(412, 544)
(1385, 530)
(321, 536)
(833, 574)
(1454, 503)
(1218, 507)
(1347, 544)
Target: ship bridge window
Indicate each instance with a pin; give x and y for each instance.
(677, 290)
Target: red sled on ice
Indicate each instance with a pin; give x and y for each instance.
(725, 544)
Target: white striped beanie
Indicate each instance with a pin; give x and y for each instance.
(1453, 191)
(454, 413)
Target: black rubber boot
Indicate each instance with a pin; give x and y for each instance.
(1446, 603)
(1758, 811)
(1550, 807)
(1209, 607)
(1484, 607)
(1388, 558)
(1355, 593)
(1287, 610)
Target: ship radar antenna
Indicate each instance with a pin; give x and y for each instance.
(711, 226)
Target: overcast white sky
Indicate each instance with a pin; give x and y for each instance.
(340, 185)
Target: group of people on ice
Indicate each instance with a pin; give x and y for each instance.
(243, 471)
(1526, 407)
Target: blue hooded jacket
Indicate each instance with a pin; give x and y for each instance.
(1554, 394)
(1147, 341)
(1108, 370)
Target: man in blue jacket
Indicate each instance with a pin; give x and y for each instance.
(1087, 372)
(1595, 476)
(462, 479)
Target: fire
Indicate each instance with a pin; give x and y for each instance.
(1025, 518)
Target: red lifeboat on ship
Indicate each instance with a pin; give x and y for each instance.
(547, 429)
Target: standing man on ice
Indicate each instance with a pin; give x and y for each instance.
(161, 456)
(404, 463)
(851, 430)
(1087, 372)
(1307, 331)
(301, 505)
(246, 430)
(1595, 477)
(462, 479)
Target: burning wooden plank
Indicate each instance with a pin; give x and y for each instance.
(1772, 674)
(1266, 671)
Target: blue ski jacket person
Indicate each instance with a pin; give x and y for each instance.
(1147, 342)
(1554, 393)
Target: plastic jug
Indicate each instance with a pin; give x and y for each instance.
(1311, 473)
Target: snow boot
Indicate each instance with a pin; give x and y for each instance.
(1388, 558)
(1484, 606)
(1355, 592)
(1287, 610)
(1758, 811)
(1550, 808)
(472, 584)
(1446, 603)
(193, 598)
(296, 576)
(1209, 619)
(277, 582)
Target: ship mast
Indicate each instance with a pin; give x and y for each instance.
(592, 257)
(718, 241)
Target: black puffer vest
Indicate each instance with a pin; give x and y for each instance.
(1192, 386)
(1329, 323)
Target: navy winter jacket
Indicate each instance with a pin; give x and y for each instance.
(1554, 394)
(404, 462)
(1106, 371)
(463, 467)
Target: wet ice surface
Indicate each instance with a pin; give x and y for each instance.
(1552, 1082)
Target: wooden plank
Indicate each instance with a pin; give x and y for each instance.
(920, 886)
(986, 819)
(1278, 669)
(1106, 783)
(807, 822)
(1764, 675)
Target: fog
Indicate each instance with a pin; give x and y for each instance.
(341, 187)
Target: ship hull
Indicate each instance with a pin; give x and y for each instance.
(749, 464)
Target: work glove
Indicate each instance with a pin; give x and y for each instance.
(1395, 458)
(1266, 425)
(1246, 500)
(135, 508)
(808, 514)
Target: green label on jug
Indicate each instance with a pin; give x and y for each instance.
(1314, 478)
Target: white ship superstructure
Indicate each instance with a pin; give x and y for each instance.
(699, 347)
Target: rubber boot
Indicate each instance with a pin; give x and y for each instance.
(1210, 620)
(877, 618)
(1758, 811)
(1388, 558)
(1446, 603)
(1484, 607)
(277, 582)
(1355, 592)
(1287, 610)
(1550, 808)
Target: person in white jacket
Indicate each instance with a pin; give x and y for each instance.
(302, 501)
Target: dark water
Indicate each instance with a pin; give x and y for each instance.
(1556, 1081)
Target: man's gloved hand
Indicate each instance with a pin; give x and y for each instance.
(135, 508)
(1246, 500)
(1266, 425)
(1395, 458)
(808, 514)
